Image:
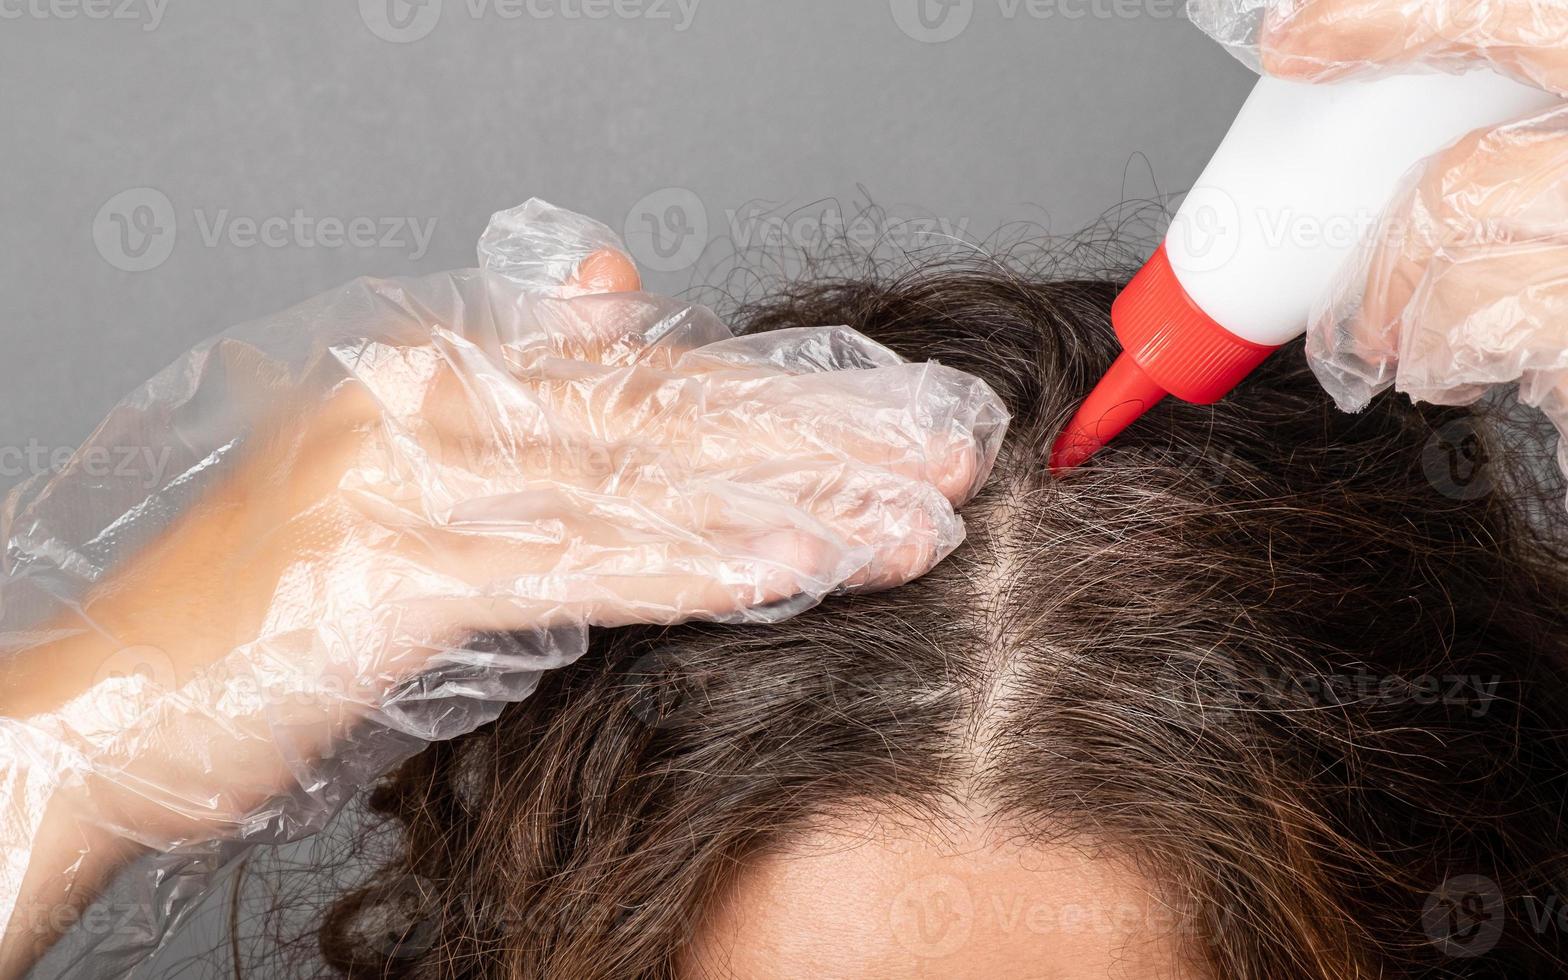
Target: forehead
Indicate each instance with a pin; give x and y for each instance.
(866, 897)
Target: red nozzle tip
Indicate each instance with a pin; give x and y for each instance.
(1124, 394)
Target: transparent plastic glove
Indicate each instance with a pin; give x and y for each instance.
(1324, 40)
(368, 522)
(1464, 284)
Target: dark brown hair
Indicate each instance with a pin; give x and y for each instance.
(1307, 667)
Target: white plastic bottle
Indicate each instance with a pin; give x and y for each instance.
(1304, 173)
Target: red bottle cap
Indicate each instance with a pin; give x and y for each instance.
(1170, 347)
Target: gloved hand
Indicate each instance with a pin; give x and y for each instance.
(391, 508)
(1328, 40)
(1463, 284)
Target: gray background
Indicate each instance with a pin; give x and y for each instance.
(130, 136)
(231, 109)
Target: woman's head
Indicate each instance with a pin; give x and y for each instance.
(1261, 692)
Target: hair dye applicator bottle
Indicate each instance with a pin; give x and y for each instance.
(1305, 171)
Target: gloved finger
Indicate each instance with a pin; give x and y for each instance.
(452, 403)
(923, 422)
(902, 526)
(608, 270)
(556, 557)
(919, 421)
(575, 422)
(579, 295)
(1475, 316)
(812, 529)
(1462, 286)
(671, 587)
(612, 329)
(1321, 40)
(663, 333)
(545, 249)
(797, 350)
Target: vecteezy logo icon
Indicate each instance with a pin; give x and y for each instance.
(1456, 462)
(933, 916)
(932, 21)
(658, 689)
(1207, 231)
(667, 230)
(135, 230)
(400, 21)
(1465, 916)
(146, 669)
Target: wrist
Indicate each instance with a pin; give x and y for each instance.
(55, 856)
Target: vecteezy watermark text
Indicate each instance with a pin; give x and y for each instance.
(670, 229)
(938, 21)
(136, 230)
(144, 464)
(301, 230)
(149, 13)
(406, 21)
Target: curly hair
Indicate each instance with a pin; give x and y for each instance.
(1307, 668)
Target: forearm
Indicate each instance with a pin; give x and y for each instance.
(52, 859)
(55, 863)
(91, 739)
